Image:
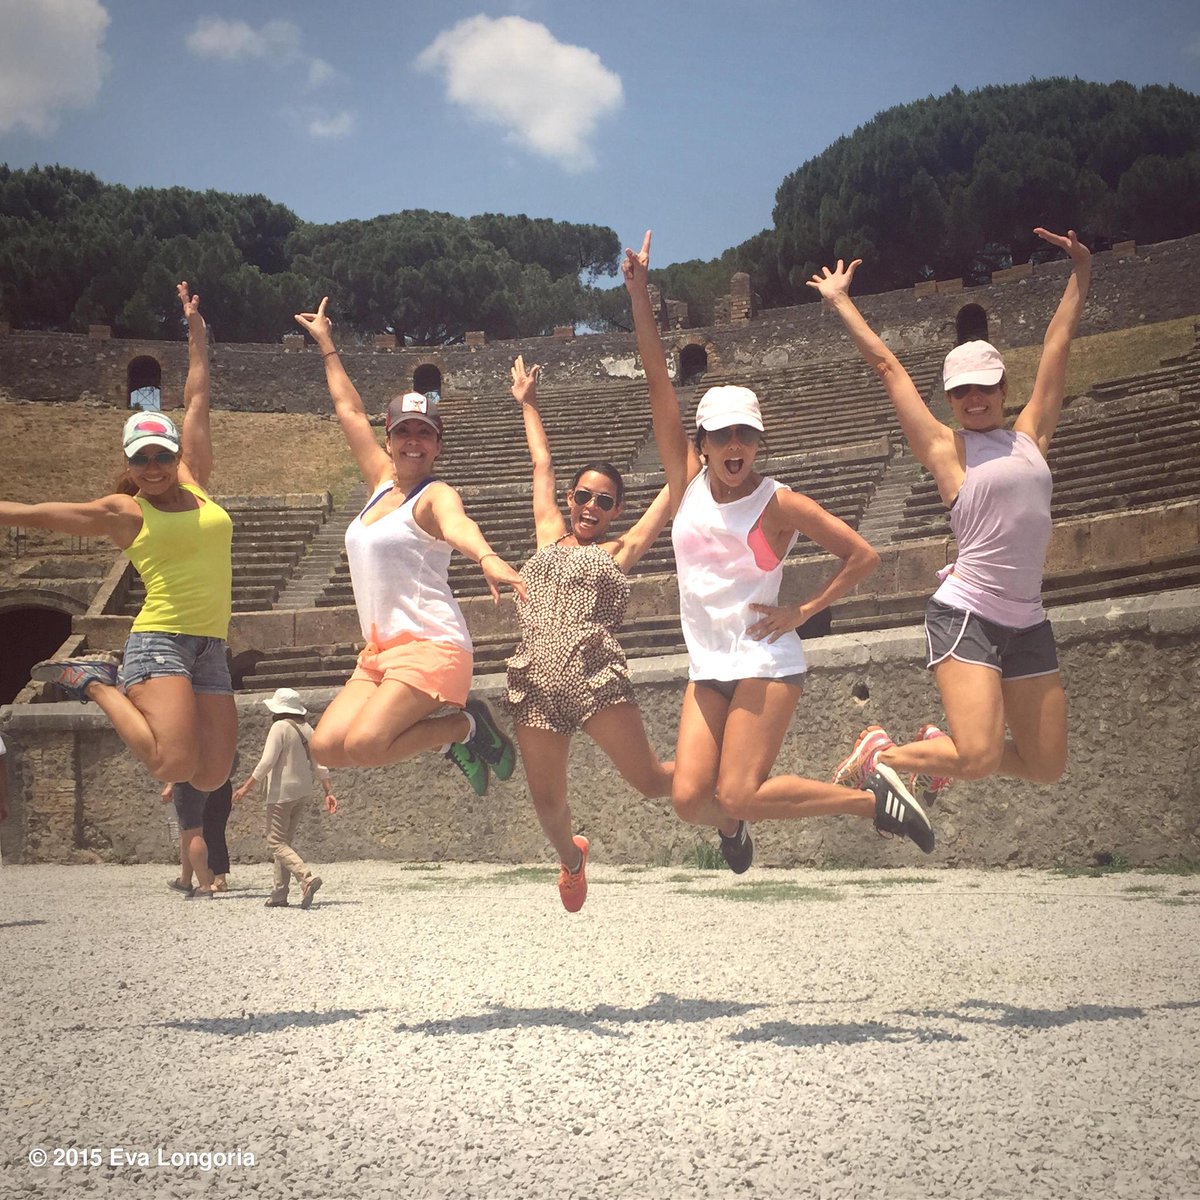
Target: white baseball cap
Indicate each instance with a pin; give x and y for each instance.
(727, 405)
(972, 362)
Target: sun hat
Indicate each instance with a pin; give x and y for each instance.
(972, 362)
(287, 700)
(149, 429)
(727, 405)
(413, 406)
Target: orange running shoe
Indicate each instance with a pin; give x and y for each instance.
(930, 786)
(573, 887)
(853, 770)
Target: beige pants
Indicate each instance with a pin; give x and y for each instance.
(282, 820)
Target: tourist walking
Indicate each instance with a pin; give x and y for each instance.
(289, 770)
(418, 654)
(990, 645)
(171, 702)
(569, 671)
(732, 530)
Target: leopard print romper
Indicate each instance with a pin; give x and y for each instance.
(569, 664)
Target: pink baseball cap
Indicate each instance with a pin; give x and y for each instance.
(727, 405)
(972, 362)
(413, 406)
(149, 429)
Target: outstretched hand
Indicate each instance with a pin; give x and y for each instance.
(317, 325)
(524, 383)
(1075, 249)
(635, 268)
(191, 304)
(835, 283)
(496, 571)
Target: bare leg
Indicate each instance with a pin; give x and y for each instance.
(197, 853)
(371, 725)
(158, 721)
(185, 862)
(216, 730)
(544, 754)
(1036, 712)
(755, 726)
(619, 732)
(698, 758)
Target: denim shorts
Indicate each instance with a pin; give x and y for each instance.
(1015, 653)
(203, 660)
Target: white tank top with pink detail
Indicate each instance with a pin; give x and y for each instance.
(725, 564)
(1001, 521)
(398, 572)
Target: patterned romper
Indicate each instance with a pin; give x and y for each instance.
(569, 664)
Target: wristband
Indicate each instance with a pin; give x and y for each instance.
(489, 554)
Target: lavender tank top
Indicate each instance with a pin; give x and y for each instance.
(1001, 521)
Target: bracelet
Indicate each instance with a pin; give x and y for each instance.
(328, 353)
(489, 554)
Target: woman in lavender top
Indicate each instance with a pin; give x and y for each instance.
(990, 646)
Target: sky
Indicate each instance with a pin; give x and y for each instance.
(683, 117)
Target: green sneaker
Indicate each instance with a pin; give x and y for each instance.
(471, 765)
(490, 743)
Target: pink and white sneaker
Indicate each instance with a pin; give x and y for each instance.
(853, 770)
(930, 787)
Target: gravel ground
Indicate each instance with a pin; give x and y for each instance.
(450, 1031)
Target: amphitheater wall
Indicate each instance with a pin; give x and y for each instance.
(1131, 787)
(1155, 283)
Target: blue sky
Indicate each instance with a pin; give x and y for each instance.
(683, 117)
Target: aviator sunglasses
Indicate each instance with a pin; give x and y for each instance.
(963, 390)
(582, 496)
(747, 435)
(164, 458)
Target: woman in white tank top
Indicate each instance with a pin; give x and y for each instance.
(417, 656)
(991, 648)
(732, 529)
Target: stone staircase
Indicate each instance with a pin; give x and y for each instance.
(886, 509)
(313, 573)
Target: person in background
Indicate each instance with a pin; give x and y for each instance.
(193, 850)
(288, 766)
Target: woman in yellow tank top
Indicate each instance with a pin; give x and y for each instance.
(172, 701)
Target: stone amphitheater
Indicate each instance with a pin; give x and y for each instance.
(1123, 579)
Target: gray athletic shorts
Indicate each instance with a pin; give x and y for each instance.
(727, 687)
(1015, 653)
(189, 805)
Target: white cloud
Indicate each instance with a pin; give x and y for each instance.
(278, 43)
(236, 41)
(51, 58)
(332, 125)
(512, 72)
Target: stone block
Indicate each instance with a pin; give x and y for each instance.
(927, 287)
(949, 287)
(261, 630)
(1117, 538)
(1021, 271)
(326, 626)
(1171, 530)
(1069, 548)
(918, 564)
(385, 341)
(293, 341)
(5, 328)
(100, 333)
(1125, 248)
(475, 339)
(564, 333)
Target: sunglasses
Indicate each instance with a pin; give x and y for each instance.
(964, 390)
(164, 458)
(747, 435)
(604, 502)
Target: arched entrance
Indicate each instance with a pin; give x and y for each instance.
(971, 324)
(693, 362)
(144, 383)
(427, 378)
(31, 629)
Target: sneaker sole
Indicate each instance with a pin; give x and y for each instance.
(897, 785)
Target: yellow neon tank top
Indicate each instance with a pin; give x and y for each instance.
(184, 559)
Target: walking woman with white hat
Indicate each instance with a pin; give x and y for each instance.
(289, 769)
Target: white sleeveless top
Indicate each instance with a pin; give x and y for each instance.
(398, 572)
(719, 578)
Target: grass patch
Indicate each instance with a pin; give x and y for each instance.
(704, 857)
(682, 878)
(420, 866)
(1118, 864)
(636, 870)
(879, 883)
(519, 875)
(1142, 888)
(768, 892)
(1178, 902)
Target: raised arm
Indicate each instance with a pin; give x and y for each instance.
(439, 511)
(679, 458)
(373, 461)
(548, 521)
(196, 435)
(931, 442)
(644, 532)
(1039, 418)
(116, 517)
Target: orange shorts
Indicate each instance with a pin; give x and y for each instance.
(438, 669)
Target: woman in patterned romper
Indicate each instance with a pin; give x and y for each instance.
(569, 671)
